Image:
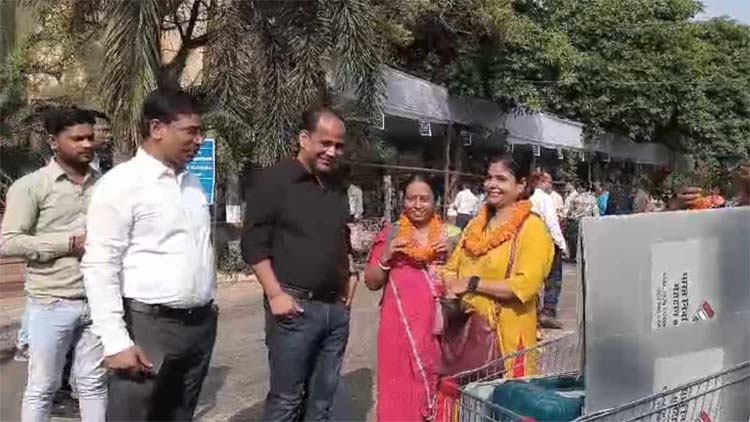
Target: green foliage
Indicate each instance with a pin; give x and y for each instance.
(454, 42)
(132, 60)
(264, 62)
(643, 69)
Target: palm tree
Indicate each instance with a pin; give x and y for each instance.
(263, 62)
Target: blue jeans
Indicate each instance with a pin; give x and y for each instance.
(53, 328)
(23, 332)
(553, 286)
(305, 355)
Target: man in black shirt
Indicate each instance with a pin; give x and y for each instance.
(296, 241)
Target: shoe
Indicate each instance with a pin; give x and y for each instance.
(64, 406)
(22, 354)
(546, 321)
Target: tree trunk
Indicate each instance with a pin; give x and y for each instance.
(7, 29)
(446, 169)
(387, 197)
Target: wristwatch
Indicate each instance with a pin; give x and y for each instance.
(473, 284)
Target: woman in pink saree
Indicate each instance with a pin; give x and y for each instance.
(404, 261)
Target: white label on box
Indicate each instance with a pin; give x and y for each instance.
(677, 277)
(672, 372)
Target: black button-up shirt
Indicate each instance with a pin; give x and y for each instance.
(300, 224)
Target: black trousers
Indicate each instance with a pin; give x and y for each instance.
(305, 353)
(180, 347)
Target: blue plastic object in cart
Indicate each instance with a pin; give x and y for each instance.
(555, 399)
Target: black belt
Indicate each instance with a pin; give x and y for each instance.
(184, 314)
(305, 294)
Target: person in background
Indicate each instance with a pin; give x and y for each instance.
(742, 180)
(579, 204)
(619, 201)
(296, 240)
(643, 202)
(410, 321)
(543, 205)
(602, 197)
(44, 222)
(65, 403)
(688, 196)
(465, 203)
(149, 268)
(501, 262)
(716, 199)
(557, 199)
(102, 161)
(355, 196)
(481, 197)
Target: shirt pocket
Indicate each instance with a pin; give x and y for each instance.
(159, 215)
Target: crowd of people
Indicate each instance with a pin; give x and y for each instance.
(121, 271)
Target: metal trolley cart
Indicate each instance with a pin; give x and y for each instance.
(701, 400)
(560, 356)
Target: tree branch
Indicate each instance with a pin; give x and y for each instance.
(178, 26)
(194, 14)
(198, 41)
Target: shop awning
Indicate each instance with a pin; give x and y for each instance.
(410, 97)
(620, 147)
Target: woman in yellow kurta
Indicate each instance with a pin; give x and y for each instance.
(477, 269)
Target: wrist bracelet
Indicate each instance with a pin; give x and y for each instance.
(383, 267)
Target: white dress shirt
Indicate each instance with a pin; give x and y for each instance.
(466, 202)
(558, 200)
(148, 239)
(543, 205)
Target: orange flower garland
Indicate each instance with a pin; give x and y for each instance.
(478, 241)
(414, 250)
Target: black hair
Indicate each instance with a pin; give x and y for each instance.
(57, 119)
(536, 179)
(165, 105)
(416, 177)
(311, 116)
(519, 167)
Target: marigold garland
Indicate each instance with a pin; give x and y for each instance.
(414, 250)
(478, 241)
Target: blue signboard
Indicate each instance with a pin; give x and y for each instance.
(203, 167)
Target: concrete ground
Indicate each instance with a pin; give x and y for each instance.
(237, 383)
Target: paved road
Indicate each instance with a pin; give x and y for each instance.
(237, 382)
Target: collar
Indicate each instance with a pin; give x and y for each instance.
(155, 168)
(55, 172)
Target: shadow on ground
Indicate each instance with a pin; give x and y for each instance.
(211, 387)
(353, 400)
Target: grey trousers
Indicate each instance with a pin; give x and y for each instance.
(180, 349)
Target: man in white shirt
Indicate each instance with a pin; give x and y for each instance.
(557, 199)
(543, 205)
(149, 269)
(465, 204)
